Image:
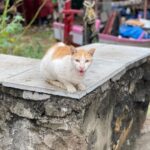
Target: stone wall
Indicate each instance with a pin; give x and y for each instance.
(107, 118)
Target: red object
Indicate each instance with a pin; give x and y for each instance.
(109, 24)
(68, 19)
(29, 10)
(47, 8)
(30, 7)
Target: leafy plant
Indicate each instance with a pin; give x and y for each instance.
(16, 39)
(9, 30)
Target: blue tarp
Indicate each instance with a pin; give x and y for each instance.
(129, 31)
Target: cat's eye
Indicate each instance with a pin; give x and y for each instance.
(77, 60)
(87, 61)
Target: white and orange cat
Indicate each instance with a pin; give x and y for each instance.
(64, 66)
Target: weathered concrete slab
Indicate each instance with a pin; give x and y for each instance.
(12, 65)
(119, 53)
(31, 80)
(110, 62)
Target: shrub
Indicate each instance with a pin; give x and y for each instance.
(9, 30)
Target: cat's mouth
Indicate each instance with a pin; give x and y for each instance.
(81, 72)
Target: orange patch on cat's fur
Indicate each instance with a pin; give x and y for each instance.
(61, 52)
(82, 53)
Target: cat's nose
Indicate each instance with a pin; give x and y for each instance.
(81, 68)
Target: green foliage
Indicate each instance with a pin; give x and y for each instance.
(9, 33)
(34, 43)
(15, 26)
(13, 39)
(29, 50)
(9, 28)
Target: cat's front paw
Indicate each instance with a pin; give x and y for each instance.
(81, 87)
(71, 89)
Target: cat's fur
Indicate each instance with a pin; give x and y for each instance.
(64, 66)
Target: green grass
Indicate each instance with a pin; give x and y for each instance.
(33, 50)
(33, 44)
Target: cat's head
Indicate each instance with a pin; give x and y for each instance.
(82, 59)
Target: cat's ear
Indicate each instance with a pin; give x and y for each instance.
(91, 51)
(73, 50)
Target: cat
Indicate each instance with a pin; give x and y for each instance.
(65, 66)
